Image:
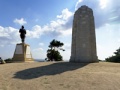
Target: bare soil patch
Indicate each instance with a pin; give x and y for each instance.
(60, 76)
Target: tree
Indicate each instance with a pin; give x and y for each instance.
(115, 58)
(53, 54)
(55, 44)
(117, 52)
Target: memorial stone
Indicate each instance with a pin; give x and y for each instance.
(83, 47)
(22, 51)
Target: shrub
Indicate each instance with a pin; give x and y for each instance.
(9, 60)
(115, 58)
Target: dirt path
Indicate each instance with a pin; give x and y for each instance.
(60, 76)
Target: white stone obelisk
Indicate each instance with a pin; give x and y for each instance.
(83, 47)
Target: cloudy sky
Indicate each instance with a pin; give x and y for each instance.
(46, 20)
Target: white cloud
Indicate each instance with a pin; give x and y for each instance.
(103, 3)
(66, 32)
(3, 32)
(107, 40)
(20, 21)
(39, 53)
(61, 26)
(1, 45)
(66, 14)
(77, 4)
(66, 54)
(67, 46)
(36, 32)
(38, 49)
(8, 35)
(114, 17)
(41, 44)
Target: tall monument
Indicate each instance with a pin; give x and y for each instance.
(22, 51)
(83, 48)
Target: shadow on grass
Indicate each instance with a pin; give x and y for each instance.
(52, 69)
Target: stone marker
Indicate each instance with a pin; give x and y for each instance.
(83, 48)
(22, 51)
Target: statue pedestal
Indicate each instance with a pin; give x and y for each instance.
(22, 53)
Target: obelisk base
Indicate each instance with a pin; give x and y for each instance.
(22, 53)
(84, 60)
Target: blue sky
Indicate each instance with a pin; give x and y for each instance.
(46, 20)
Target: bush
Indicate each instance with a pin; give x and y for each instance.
(115, 58)
(9, 60)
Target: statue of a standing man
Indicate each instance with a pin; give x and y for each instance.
(22, 32)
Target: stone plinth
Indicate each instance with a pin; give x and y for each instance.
(22, 53)
(83, 48)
